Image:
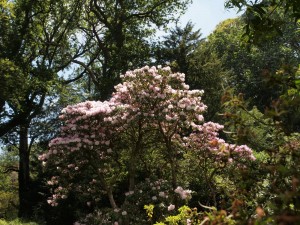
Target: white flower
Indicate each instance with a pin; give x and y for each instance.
(186, 87)
(158, 77)
(178, 190)
(162, 194)
(171, 207)
(188, 222)
(124, 213)
(168, 118)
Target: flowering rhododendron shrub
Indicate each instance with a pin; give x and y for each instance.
(137, 137)
(206, 142)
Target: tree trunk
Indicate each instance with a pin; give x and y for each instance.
(24, 179)
(174, 173)
(133, 158)
(111, 199)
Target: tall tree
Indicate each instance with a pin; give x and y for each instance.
(185, 51)
(177, 47)
(206, 72)
(251, 67)
(36, 36)
(118, 32)
(41, 39)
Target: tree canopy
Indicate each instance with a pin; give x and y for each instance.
(264, 18)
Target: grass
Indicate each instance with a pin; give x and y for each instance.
(16, 222)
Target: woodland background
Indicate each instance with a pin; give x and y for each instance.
(55, 53)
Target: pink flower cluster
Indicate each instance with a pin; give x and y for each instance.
(206, 142)
(149, 98)
(184, 194)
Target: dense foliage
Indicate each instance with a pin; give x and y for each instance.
(140, 152)
(263, 19)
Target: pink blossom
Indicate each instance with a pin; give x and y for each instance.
(184, 194)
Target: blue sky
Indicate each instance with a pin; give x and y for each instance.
(206, 14)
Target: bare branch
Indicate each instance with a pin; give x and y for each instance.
(9, 169)
(90, 72)
(147, 13)
(76, 78)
